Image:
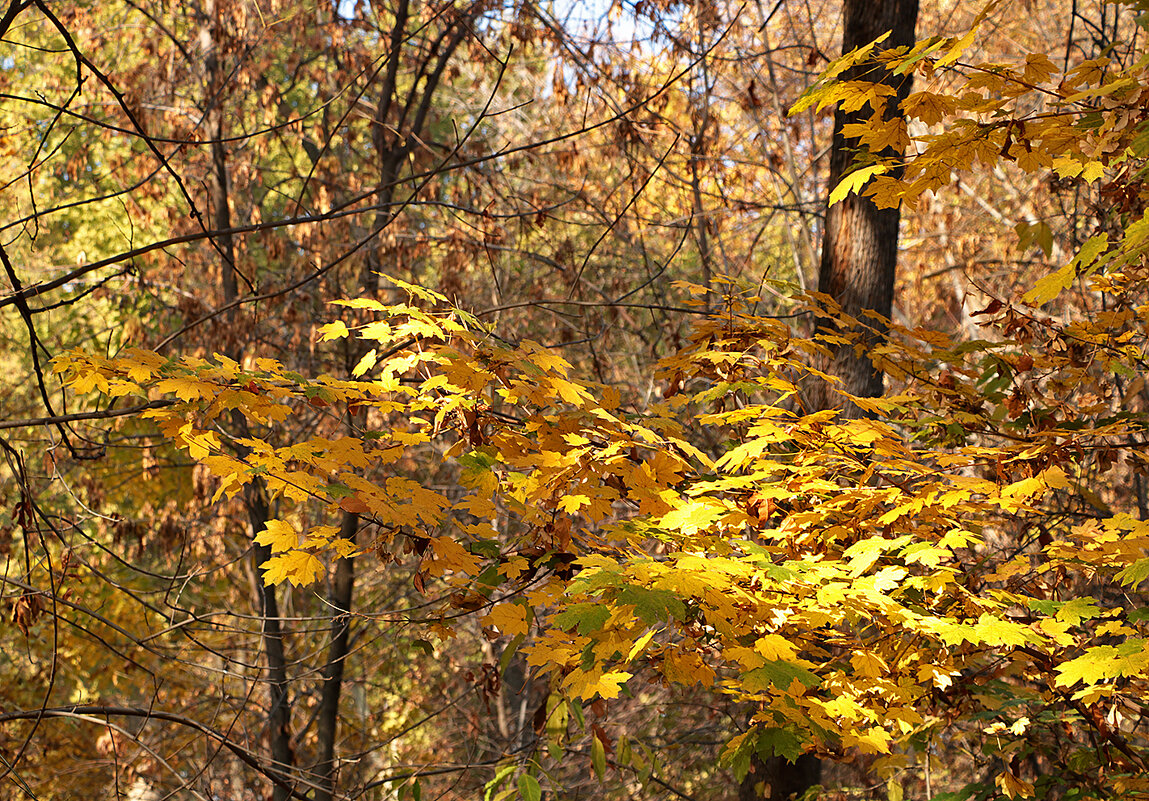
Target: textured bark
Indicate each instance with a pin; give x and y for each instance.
(860, 242)
(859, 257)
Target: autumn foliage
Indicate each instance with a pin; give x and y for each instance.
(960, 570)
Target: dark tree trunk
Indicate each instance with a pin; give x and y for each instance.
(340, 600)
(218, 190)
(279, 701)
(400, 123)
(860, 242)
(859, 256)
(777, 779)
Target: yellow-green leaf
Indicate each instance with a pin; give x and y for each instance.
(853, 183)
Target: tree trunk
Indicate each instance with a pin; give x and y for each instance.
(860, 241)
(776, 779)
(220, 208)
(859, 256)
(279, 706)
(400, 124)
(340, 600)
(279, 701)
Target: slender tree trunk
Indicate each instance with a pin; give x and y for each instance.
(279, 706)
(389, 151)
(218, 190)
(700, 120)
(328, 720)
(400, 124)
(279, 702)
(859, 257)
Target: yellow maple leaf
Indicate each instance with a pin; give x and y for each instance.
(1013, 787)
(365, 363)
(1038, 68)
(200, 444)
(1092, 171)
(279, 535)
(877, 134)
(454, 556)
(869, 664)
(187, 389)
(687, 668)
(298, 567)
(1014, 496)
(572, 503)
(86, 382)
(1055, 478)
(610, 684)
(774, 647)
(344, 547)
(139, 367)
(320, 536)
(928, 107)
(588, 684)
(335, 330)
(510, 618)
(869, 741)
(1049, 287)
(1067, 167)
(274, 570)
(304, 568)
(362, 303)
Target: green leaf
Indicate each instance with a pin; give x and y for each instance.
(652, 606)
(587, 617)
(500, 775)
(1104, 662)
(576, 709)
(1078, 609)
(1138, 615)
(529, 788)
(336, 490)
(623, 754)
(1134, 574)
(477, 460)
(508, 652)
(737, 755)
(920, 51)
(778, 742)
(597, 578)
(598, 756)
(424, 646)
(780, 675)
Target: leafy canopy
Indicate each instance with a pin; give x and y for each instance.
(948, 566)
